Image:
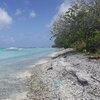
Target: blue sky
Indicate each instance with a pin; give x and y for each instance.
(26, 23)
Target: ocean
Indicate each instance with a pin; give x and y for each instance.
(14, 64)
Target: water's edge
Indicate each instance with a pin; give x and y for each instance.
(15, 71)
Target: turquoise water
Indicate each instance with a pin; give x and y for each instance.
(15, 61)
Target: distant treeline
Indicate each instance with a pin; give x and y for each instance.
(79, 27)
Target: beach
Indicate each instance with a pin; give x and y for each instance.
(66, 76)
(50, 50)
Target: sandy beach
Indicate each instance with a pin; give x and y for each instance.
(71, 76)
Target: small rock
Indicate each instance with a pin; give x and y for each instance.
(50, 68)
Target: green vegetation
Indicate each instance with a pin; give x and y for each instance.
(79, 27)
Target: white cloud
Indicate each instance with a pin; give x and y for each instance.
(18, 12)
(61, 10)
(5, 19)
(32, 14)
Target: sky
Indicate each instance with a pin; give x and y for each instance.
(27, 23)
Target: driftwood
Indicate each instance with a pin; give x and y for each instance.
(94, 57)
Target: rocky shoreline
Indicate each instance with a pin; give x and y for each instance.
(71, 76)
